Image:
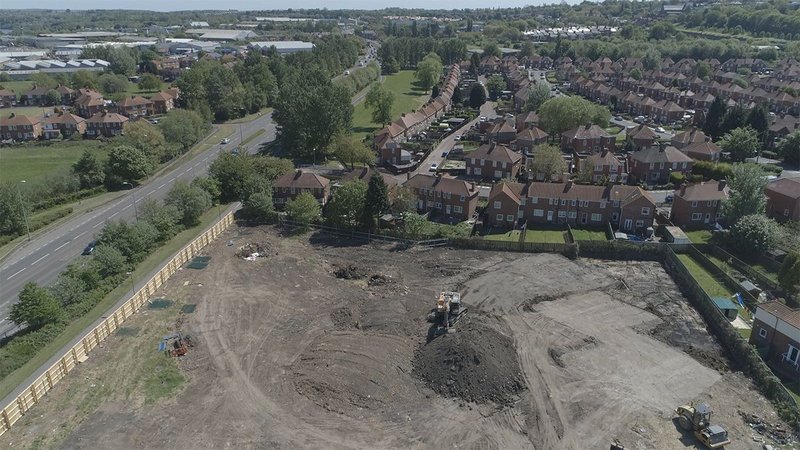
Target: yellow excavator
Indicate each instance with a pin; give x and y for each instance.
(697, 419)
(447, 311)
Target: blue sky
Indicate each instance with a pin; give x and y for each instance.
(161, 5)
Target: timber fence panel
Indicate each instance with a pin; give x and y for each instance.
(32, 394)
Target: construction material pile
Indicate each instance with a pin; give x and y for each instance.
(350, 272)
(775, 432)
(252, 251)
(476, 363)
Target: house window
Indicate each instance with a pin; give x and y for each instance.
(595, 217)
(563, 202)
(762, 332)
(574, 202)
(694, 204)
(510, 218)
(639, 223)
(499, 217)
(710, 203)
(562, 214)
(438, 205)
(497, 204)
(458, 209)
(602, 205)
(534, 200)
(786, 213)
(697, 216)
(550, 201)
(292, 190)
(572, 214)
(792, 354)
(477, 171)
(645, 211)
(462, 198)
(538, 213)
(684, 165)
(614, 217)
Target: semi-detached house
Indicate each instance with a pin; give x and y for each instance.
(447, 197)
(699, 205)
(776, 328)
(654, 165)
(291, 185)
(627, 208)
(493, 162)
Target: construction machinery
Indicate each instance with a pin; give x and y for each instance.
(447, 311)
(697, 419)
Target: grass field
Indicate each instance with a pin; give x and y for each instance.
(545, 236)
(17, 86)
(32, 161)
(407, 97)
(712, 287)
(699, 236)
(589, 235)
(33, 111)
(150, 263)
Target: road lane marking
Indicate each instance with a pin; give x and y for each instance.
(112, 216)
(43, 257)
(162, 185)
(19, 272)
(61, 246)
(97, 224)
(76, 237)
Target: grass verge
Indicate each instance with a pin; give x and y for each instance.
(250, 138)
(407, 97)
(159, 256)
(699, 236)
(710, 285)
(37, 160)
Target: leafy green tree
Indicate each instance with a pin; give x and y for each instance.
(789, 273)
(635, 73)
(271, 168)
(89, 170)
(735, 117)
(381, 102)
(127, 163)
(702, 70)
(376, 201)
(651, 59)
(36, 307)
(311, 110)
(133, 241)
(84, 79)
(13, 207)
(232, 173)
(68, 289)
(741, 143)
(259, 206)
(112, 84)
(747, 193)
(496, 84)
(548, 161)
(149, 82)
(109, 261)
(492, 50)
(43, 80)
(346, 208)
(537, 95)
(661, 30)
(754, 234)
(52, 98)
(225, 93)
(758, 119)
(350, 150)
(475, 62)
(560, 114)
(477, 96)
(122, 60)
(789, 148)
(304, 209)
(428, 71)
(415, 226)
(713, 123)
(183, 127)
(146, 137)
(190, 201)
(210, 185)
(164, 218)
(390, 66)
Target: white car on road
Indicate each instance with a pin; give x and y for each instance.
(434, 167)
(225, 141)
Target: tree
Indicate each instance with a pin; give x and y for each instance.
(747, 193)
(132, 240)
(754, 234)
(52, 98)
(428, 71)
(414, 225)
(585, 172)
(537, 95)
(43, 80)
(651, 59)
(112, 84)
(164, 218)
(735, 117)
(89, 170)
(496, 84)
(310, 111)
(789, 148)
(126, 163)
(475, 63)
(560, 114)
(36, 307)
(403, 200)
(758, 119)
(13, 208)
(259, 206)
(84, 79)
(741, 143)
(146, 137)
(702, 70)
(477, 95)
(109, 261)
(183, 127)
(492, 50)
(68, 289)
(547, 160)
(210, 185)
(381, 102)
(789, 273)
(190, 201)
(304, 209)
(349, 150)
(346, 209)
(233, 173)
(225, 93)
(635, 73)
(149, 82)
(661, 30)
(713, 123)
(376, 201)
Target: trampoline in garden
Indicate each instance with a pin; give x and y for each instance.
(199, 262)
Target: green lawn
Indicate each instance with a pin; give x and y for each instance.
(712, 287)
(589, 235)
(511, 236)
(407, 97)
(699, 236)
(31, 161)
(545, 236)
(33, 111)
(17, 86)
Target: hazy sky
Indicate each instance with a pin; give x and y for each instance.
(174, 5)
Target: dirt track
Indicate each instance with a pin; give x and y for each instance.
(289, 355)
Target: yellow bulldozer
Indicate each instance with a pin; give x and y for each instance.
(697, 419)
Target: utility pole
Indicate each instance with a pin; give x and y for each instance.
(24, 212)
(133, 195)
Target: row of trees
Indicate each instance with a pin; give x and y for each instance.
(559, 114)
(764, 20)
(406, 52)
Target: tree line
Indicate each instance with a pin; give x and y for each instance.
(398, 53)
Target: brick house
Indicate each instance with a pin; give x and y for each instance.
(703, 151)
(289, 186)
(365, 173)
(89, 103)
(105, 124)
(135, 106)
(628, 208)
(63, 125)
(699, 205)
(776, 327)
(687, 138)
(653, 165)
(783, 199)
(494, 162)
(35, 96)
(162, 102)
(528, 139)
(7, 98)
(453, 199)
(604, 164)
(20, 127)
(67, 95)
(503, 132)
(641, 135)
(587, 138)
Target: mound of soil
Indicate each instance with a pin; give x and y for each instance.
(252, 248)
(350, 272)
(476, 363)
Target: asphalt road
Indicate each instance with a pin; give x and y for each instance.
(46, 255)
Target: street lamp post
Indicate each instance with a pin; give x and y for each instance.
(133, 194)
(24, 213)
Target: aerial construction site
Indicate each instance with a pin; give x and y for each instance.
(314, 342)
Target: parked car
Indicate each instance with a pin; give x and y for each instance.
(434, 167)
(89, 248)
(617, 117)
(457, 138)
(639, 119)
(668, 198)
(225, 141)
(660, 130)
(444, 154)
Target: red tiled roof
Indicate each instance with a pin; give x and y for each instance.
(588, 131)
(496, 152)
(712, 190)
(789, 187)
(302, 180)
(442, 184)
(783, 312)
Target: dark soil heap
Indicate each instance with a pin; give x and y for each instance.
(476, 363)
(350, 272)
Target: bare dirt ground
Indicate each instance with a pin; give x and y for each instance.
(324, 344)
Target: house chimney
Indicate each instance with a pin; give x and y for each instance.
(472, 186)
(298, 174)
(589, 125)
(708, 139)
(662, 146)
(568, 186)
(721, 185)
(683, 189)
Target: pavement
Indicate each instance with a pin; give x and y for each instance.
(49, 253)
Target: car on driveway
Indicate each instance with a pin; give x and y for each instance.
(444, 154)
(225, 141)
(668, 198)
(660, 130)
(617, 117)
(89, 248)
(434, 167)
